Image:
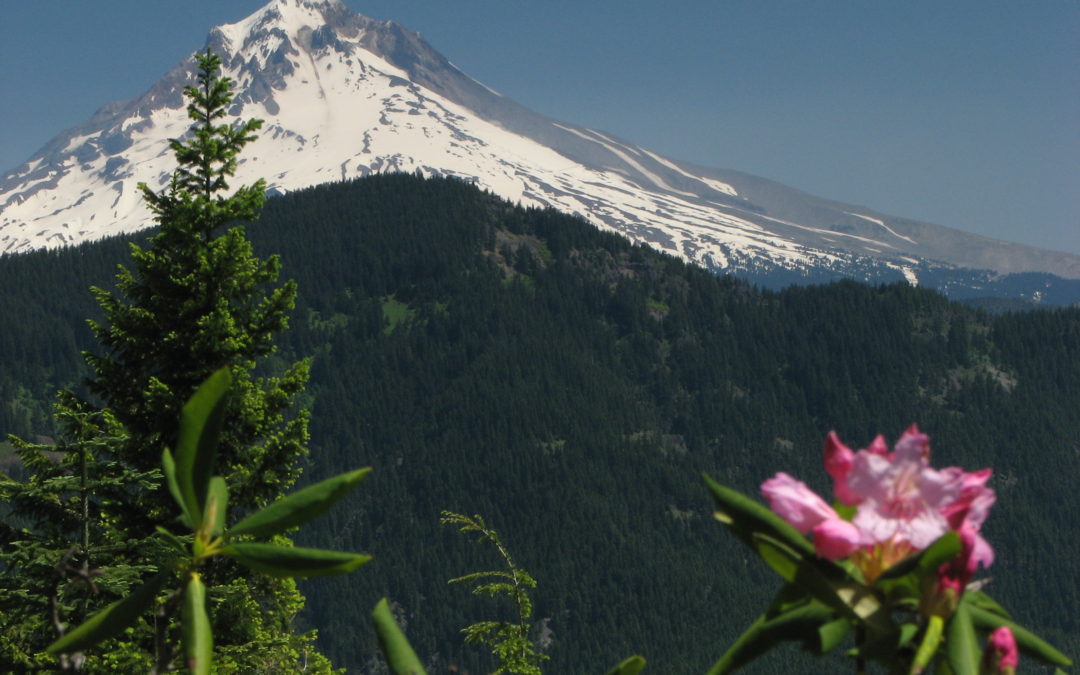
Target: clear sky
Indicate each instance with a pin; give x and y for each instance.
(959, 112)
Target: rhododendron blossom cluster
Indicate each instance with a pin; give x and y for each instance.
(888, 563)
(902, 505)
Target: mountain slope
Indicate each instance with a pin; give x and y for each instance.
(345, 96)
(571, 388)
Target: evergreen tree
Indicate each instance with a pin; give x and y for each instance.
(51, 568)
(197, 299)
(195, 302)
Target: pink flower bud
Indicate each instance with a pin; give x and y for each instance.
(796, 503)
(1001, 656)
(836, 539)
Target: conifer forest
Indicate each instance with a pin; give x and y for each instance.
(518, 364)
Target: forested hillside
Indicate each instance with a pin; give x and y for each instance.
(571, 388)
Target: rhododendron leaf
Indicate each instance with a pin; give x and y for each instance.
(797, 623)
(844, 511)
(630, 666)
(294, 561)
(831, 634)
(777, 556)
(395, 647)
(299, 507)
(744, 517)
(962, 648)
(940, 552)
(1028, 642)
(196, 444)
(168, 467)
(176, 542)
(217, 504)
(197, 636)
(828, 583)
(908, 631)
(111, 620)
(985, 602)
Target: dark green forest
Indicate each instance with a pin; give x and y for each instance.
(572, 387)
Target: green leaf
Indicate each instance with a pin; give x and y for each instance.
(395, 647)
(984, 601)
(299, 507)
(196, 444)
(111, 620)
(198, 638)
(827, 582)
(903, 583)
(297, 562)
(1028, 642)
(928, 561)
(216, 507)
(908, 631)
(630, 666)
(831, 634)
(786, 619)
(745, 516)
(168, 467)
(176, 542)
(962, 648)
(940, 552)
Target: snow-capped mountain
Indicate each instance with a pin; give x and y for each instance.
(344, 96)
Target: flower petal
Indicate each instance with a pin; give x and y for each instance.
(796, 503)
(838, 462)
(836, 539)
(913, 445)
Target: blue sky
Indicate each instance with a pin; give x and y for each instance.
(961, 113)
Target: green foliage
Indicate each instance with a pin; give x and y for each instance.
(399, 654)
(396, 313)
(58, 533)
(202, 497)
(194, 300)
(580, 421)
(822, 601)
(509, 641)
(629, 666)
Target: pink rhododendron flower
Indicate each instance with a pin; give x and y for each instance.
(971, 509)
(838, 462)
(1001, 656)
(901, 496)
(904, 504)
(834, 537)
(796, 503)
(942, 597)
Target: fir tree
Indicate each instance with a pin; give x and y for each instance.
(196, 299)
(51, 559)
(195, 302)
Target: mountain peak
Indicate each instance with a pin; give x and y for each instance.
(280, 17)
(343, 96)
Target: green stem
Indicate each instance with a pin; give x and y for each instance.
(930, 642)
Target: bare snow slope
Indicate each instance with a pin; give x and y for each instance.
(344, 96)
